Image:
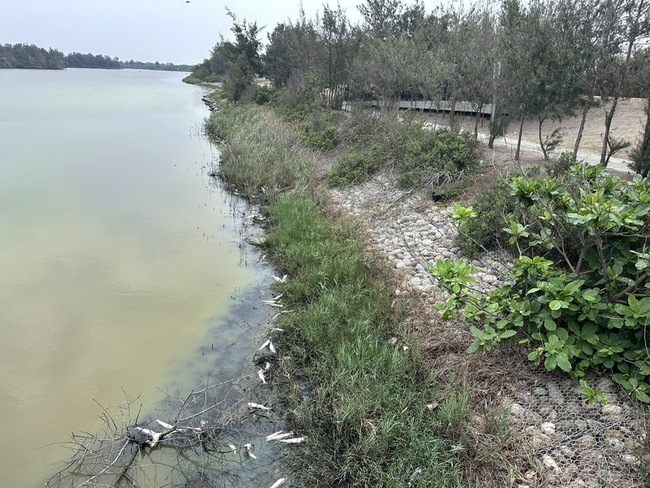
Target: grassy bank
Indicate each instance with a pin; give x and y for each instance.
(370, 410)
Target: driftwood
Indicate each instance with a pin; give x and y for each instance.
(196, 430)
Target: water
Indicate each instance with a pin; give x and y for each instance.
(116, 252)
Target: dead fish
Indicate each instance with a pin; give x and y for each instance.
(258, 406)
(272, 347)
(278, 483)
(267, 366)
(249, 450)
(295, 440)
(268, 341)
(165, 424)
(280, 280)
(232, 447)
(260, 373)
(279, 436)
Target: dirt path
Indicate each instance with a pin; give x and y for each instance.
(628, 124)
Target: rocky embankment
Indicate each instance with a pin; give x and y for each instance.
(563, 442)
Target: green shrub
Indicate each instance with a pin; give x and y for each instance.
(320, 131)
(264, 95)
(586, 310)
(355, 168)
(400, 141)
(494, 207)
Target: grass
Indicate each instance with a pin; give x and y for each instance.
(263, 156)
(369, 406)
(364, 400)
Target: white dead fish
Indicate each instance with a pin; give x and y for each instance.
(272, 347)
(267, 366)
(249, 450)
(268, 341)
(260, 373)
(165, 424)
(279, 435)
(232, 447)
(275, 329)
(258, 406)
(280, 280)
(270, 437)
(278, 483)
(295, 440)
(271, 303)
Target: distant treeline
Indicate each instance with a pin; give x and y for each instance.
(23, 56)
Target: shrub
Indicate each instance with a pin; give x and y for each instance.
(494, 208)
(586, 310)
(264, 95)
(417, 154)
(355, 168)
(320, 131)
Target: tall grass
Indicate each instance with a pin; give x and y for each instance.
(364, 401)
(263, 156)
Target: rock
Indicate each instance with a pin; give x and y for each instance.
(581, 424)
(586, 441)
(547, 428)
(517, 410)
(536, 437)
(256, 240)
(611, 410)
(554, 393)
(550, 463)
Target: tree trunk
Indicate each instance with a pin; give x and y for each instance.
(476, 119)
(609, 117)
(521, 130)
(539, 134)
(581, 129)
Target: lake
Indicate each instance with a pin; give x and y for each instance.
(118, 253)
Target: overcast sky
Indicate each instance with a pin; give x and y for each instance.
(142, 30)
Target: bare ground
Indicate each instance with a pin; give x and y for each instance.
(628, 124)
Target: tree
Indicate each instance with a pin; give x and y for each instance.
(641, 153)
(623, 23)
(382, 17)
(338, 47)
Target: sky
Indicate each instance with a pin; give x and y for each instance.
(143, 30)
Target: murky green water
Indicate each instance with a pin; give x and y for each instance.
(116, 252)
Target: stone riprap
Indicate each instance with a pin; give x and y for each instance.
(568, 443)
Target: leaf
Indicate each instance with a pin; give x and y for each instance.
(474, 347)
(642, 397)
(563, 362)
(508, 334)
(555, 304)
(550, 325)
